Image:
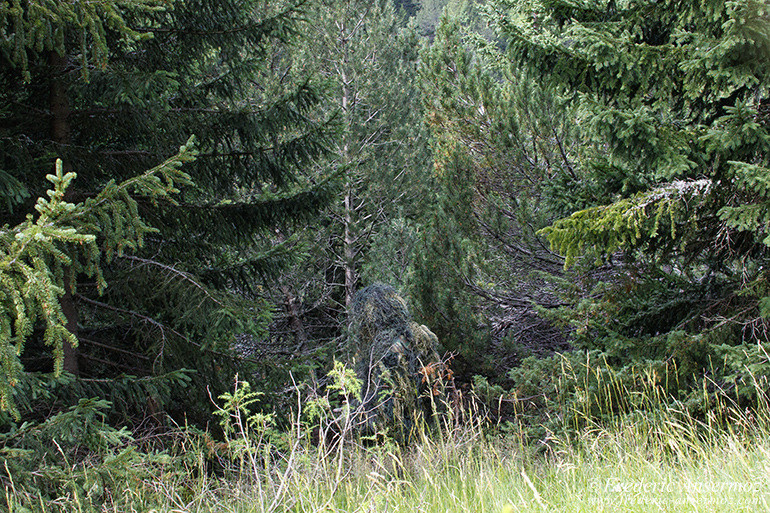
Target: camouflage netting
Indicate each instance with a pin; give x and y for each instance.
(393, 357)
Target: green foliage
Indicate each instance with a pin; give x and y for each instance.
(701, 128)
(747, 215)
(79, 237)
(365, 55)
(73, 457)
(37, 26)
(36, 395)
(667, 216)
(248, 434)
(565, 393)
(334, 411)
(157, 71)
(443, 264)
(668, 449)
(439, 284)
(345, 381)
(236, 412)
(504, 154)
(667, 247)
(392, 252)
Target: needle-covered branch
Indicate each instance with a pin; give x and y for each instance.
(77, 236)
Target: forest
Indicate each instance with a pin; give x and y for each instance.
(384, 255)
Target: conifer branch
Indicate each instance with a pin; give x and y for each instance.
(41, 25)
(626, 223)
(35, 253)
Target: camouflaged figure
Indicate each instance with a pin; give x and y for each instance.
(392, 353)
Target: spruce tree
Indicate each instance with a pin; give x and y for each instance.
(198, 68)
(364, 55)
(41, 256)
(673, 96)
(368, 58)
(502, 145)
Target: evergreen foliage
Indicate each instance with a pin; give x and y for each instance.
(443, 267)
(429, 15)
(365, 55)
(79, 237)
(368, 56)
(580, 209)
(503, 150)
(196, 286)
(663, 218)
(671, 244)
(74, 455)
(409, 7)
(38, 26)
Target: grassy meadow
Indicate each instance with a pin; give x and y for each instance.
(664, 459)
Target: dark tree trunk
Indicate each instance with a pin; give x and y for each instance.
(295, 321)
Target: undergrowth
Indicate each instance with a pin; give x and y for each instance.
(655, 456)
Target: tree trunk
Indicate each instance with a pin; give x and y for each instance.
(61, 134)
(349, 251)
(295, 321)
(348, 241)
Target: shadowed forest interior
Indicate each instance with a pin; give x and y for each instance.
(331, 255)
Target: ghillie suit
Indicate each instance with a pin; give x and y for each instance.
(395, 358)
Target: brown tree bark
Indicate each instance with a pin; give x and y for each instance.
(295, 320)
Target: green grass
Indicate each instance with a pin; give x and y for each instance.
(636, 467)
(662, 461)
